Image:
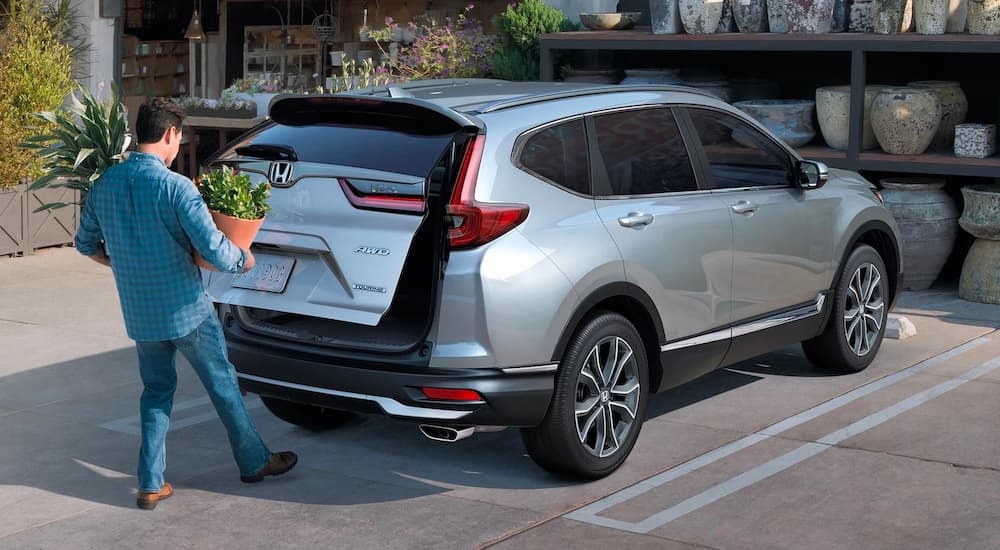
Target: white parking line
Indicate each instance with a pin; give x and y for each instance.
(133, 424)
(589, 513)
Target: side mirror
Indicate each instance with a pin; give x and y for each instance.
(811, 174)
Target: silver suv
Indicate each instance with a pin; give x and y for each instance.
(477, 254)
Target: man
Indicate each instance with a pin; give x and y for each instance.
(143, 220)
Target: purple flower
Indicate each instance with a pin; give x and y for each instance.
(389, 20)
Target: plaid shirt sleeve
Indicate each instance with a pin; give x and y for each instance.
(206, 238)
(89, 236)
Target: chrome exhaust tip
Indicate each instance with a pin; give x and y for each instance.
(447, 434)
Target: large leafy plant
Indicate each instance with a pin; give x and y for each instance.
(233, 194)
(82, 141)
(520, 28)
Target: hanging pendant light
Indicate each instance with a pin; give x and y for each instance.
(194, 29)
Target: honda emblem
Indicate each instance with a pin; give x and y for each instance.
(280, 173)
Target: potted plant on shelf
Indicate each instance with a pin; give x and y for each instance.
(236, 204)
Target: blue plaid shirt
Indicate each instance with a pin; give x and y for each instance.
(149, 218)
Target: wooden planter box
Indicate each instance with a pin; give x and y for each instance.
(22, 230)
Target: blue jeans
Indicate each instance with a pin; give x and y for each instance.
(205, 349)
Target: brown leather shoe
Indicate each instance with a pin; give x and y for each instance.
(148, 501)
(278, 464)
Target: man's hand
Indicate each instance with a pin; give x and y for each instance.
(101, 258)
(249, 263)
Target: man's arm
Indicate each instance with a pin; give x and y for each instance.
(89, 237)
(206, 238)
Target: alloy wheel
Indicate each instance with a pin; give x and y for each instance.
(864, 311)
(607, 396)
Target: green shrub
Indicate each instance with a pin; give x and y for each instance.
(520, 28)
(35, 76)
(233, 194)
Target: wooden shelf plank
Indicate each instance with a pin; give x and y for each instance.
(931, 163)
(819, 152)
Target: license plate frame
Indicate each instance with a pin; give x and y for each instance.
(270, 273)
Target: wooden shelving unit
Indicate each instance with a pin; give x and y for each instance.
(154, 69)
(856, 49)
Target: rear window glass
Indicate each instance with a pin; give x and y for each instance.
(559, 154)
(359, 147)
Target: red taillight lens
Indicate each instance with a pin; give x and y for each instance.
(447, 394)
(477, 223)
(391, 203)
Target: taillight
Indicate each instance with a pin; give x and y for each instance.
(383, 201)
(476, 223)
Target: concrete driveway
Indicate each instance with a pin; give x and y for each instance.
(767, 454)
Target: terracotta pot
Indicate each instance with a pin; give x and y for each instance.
(833, 109)
(954, 108)
(700, 16)
(241, 232)
(906, 119)
(928, 222)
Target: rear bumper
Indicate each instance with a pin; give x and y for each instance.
(519, 397)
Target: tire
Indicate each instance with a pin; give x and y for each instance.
(309, 417)
(852, 336)
(556, 443)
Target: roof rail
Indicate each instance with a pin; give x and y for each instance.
(581, 92)
(402, 89)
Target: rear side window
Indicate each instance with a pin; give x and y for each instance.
(559, 155)
(372, 148)
(643, 154)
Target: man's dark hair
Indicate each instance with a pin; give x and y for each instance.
(155, 116)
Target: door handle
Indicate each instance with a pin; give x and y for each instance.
(636, 219)
(746, 208)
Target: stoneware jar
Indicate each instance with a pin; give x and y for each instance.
(905, 119)
(789, 119)
(887, 16)
(651, 76)
(980, 280)
(931, 16)
(861, 17)
(665, 17)
(727, 23)
(751, 15)
(700, 16)
(954, 108)
(809, 16)
(928, 222)
(984, 17)
(833, 109)
(718, 88)
(776, 20)
(958, 13)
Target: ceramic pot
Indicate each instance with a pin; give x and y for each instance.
(861, 17)
(908, 19)
(665, 17)
(718, 88)
(954, 108)
(984, 17)
(727, 23)
(840, 10)
(751, 15)
(700, 16)
(931, 16)
(592, 76)
(241, 232)
(789, 119)
(809, 16)
(928, 222)
(887, 16)
(833, 109)
(980, 280)
(905, 120)
(776, 20)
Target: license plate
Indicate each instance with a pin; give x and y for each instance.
(269, 274)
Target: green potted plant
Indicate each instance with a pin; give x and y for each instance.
(236, 204)
(80, 143)
(520, 28)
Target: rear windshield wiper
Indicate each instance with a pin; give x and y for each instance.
(267, 151)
